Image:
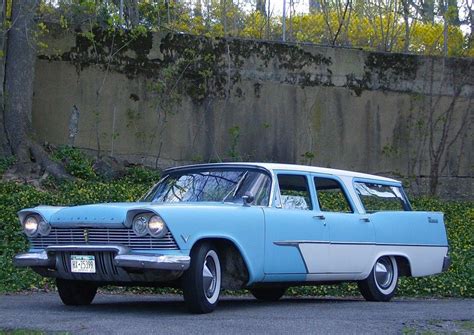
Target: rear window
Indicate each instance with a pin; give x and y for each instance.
(379, 197)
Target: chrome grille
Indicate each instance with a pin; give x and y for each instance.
(122, 236)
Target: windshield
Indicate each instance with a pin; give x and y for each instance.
(210, 185)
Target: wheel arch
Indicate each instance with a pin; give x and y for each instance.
(236, 273)
(404, 266)
(403, 262)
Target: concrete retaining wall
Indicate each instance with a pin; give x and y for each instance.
(165, 100)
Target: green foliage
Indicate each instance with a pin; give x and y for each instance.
(369, 26)
(5, 163)
(76, 162)
(233, 152)
(333, 200)
(142, 175)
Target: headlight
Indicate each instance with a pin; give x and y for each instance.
(156, 226)
(140, 225)
(30, 226)
(44, 228)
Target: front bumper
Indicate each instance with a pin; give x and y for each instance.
(123, 258)
(446, 263)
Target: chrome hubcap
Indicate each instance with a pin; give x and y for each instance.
(384, 272)
(209, 275)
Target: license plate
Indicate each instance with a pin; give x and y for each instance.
(82, 264)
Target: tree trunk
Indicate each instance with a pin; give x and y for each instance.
(314, 6)
(18, 101)
(133, 14)
(406, 20)
(19, 77)
(453, 13)
(4, 147)
(260, 7)
(128, 11)
(428, 11)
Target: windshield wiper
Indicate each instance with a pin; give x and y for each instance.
(237, 187)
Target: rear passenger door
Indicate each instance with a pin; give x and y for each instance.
(351, 234)
(295, 240)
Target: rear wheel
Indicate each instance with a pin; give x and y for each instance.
(76, 293)
(381, 284)
(202, 281)
(268, 293)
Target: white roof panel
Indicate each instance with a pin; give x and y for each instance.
(303, 168)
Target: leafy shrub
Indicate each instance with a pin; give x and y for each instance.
(459, 217)
(5, 163)
(76, 162)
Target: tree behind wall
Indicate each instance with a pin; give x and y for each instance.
(17, 99)
(4, 147)
(19, 77)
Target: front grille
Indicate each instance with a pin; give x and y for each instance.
(121, 236)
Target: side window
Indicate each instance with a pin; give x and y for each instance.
(378, 197)
(294, 192)
(331, 196)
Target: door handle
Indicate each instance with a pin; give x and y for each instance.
(364, 219)
(320, 217)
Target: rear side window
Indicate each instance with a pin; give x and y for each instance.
(294, 192)
(331, 196)
(378, 197)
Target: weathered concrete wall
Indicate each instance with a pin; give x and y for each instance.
(169, 100)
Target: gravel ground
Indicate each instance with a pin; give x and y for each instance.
(132, 314)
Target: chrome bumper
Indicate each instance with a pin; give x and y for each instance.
(124, 258)
(446, 263)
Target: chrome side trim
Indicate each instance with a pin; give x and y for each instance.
(294, 243)
(297, 243)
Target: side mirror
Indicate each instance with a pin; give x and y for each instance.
(248, 198)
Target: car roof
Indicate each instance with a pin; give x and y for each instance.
(291, 167)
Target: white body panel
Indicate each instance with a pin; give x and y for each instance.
(345, 260)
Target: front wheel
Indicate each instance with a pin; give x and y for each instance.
(202, 281)
(382, 281)
(76, 293)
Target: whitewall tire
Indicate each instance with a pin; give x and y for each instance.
(202, 281)
(381, 284)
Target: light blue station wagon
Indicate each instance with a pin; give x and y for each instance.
(264, 227)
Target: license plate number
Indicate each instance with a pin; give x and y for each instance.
(82, 264)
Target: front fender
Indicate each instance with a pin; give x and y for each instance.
(44, 211)
(243, 226)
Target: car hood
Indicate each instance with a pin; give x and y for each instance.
(98, 215)
(112, 215)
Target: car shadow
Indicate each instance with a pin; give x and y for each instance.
(175, 305)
